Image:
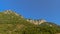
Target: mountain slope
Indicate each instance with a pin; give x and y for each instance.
(13, 23)
(10, 22)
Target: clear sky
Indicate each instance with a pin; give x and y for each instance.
(35, 9)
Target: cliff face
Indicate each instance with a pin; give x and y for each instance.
(36, 22)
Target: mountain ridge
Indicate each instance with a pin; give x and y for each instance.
(10, 23)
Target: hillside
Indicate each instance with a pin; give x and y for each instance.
(13, 23)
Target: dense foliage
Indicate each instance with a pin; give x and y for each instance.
(12, 24)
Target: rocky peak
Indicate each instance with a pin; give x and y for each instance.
(8, 12)
(36, 22)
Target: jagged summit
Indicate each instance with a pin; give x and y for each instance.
(10, 12)
(36, 22)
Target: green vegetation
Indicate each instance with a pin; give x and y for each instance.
(13, 24)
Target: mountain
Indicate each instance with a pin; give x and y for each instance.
(36, 22)
(13, 23)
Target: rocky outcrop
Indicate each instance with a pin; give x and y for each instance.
(12, 13)
(36, 22)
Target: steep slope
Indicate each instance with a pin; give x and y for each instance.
(10, 23)
(13, 23)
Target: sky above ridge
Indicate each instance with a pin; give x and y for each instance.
(35, 9)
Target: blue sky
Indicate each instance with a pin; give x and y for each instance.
(35, 9)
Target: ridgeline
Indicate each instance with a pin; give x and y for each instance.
(13, 23)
